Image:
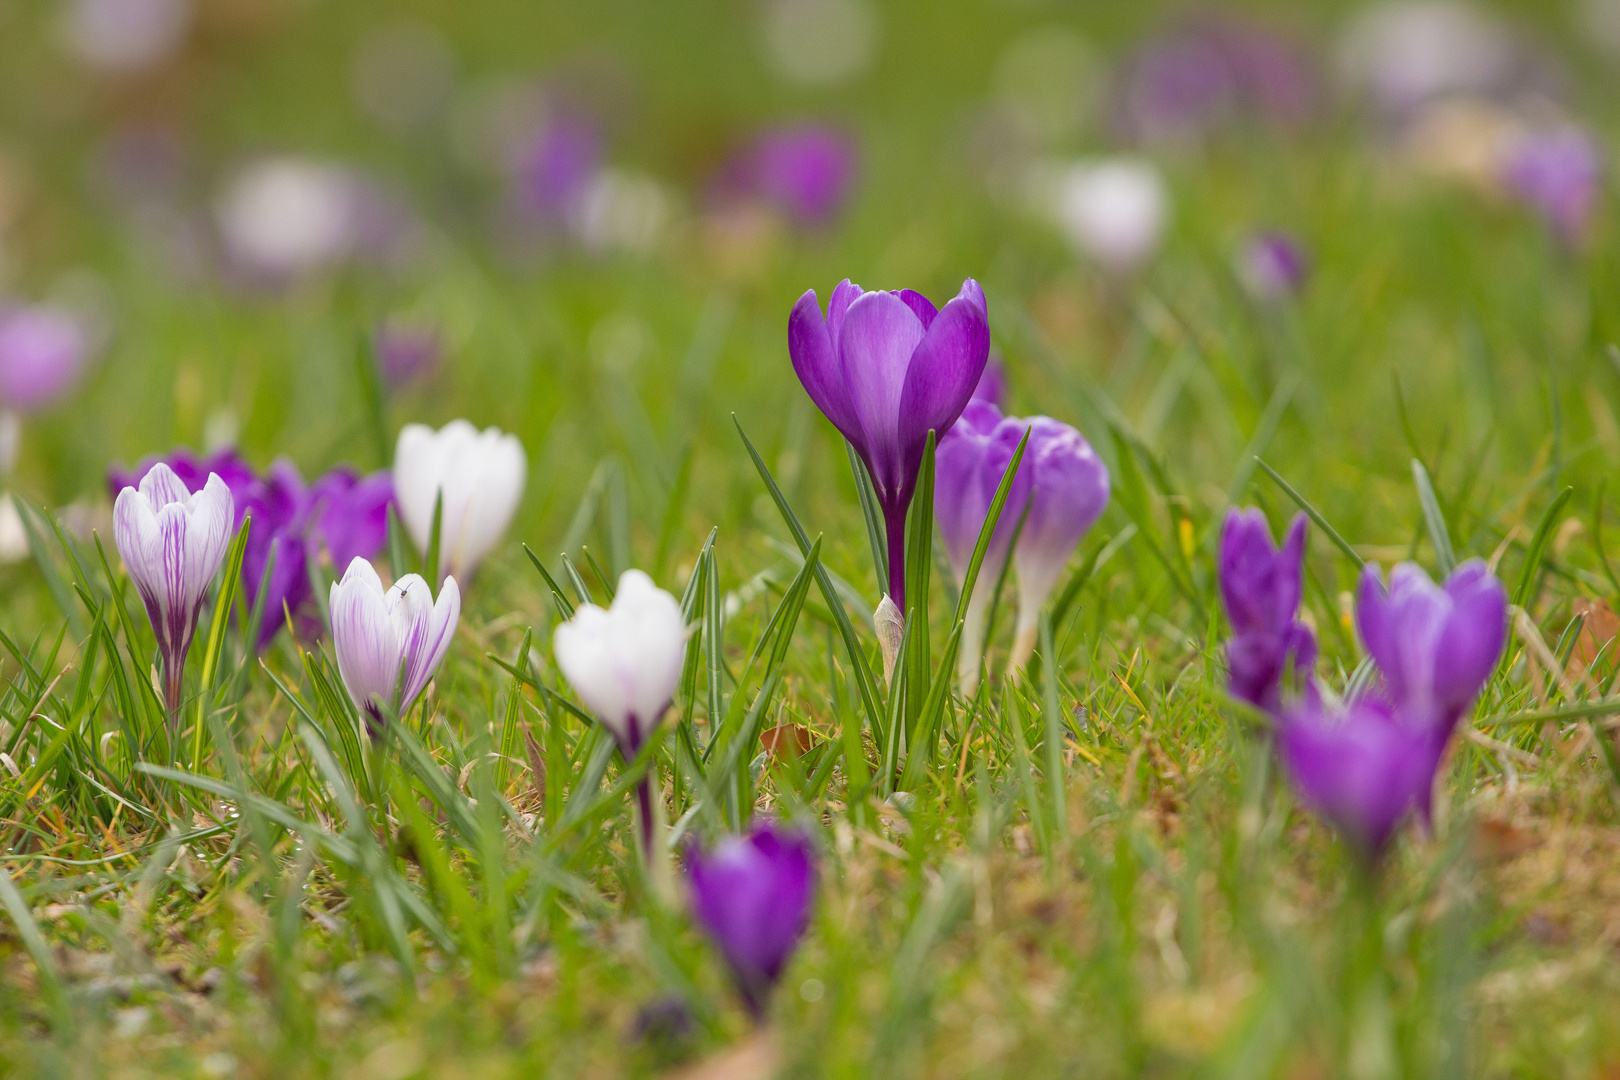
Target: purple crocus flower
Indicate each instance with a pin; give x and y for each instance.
(1272, 265)
(1364, 766)
(1559, 174)
(753, 894)
(1060, 491)
(805, 172)
(405, 352)
(886, 368)
(1435, 646)
(556, 168)
(1260, 587)
(42, 353)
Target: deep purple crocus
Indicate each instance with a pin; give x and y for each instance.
(1363, 766)
(753, 895)
(1558, 174)
(42, 353)
(1272, 266)
(344, 513)
(886, 368)
(806, 172)
(1260, 587)
(405, 352)
(1435, 646)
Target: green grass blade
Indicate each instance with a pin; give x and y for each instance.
(1434, 519)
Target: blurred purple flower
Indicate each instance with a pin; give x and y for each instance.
(886, 368)
(1559, 174)
(805, 172)
(1260, 587)
(1364, 767)
(1435, 646)
(1060, 491)
(1272, 265)
(992, 386)
(42, 353)
(554, 170)
(1212, 70)
(753, 896)
(405, 352)
(343, 512)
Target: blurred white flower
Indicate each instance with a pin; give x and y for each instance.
(481, 475)
(1112, 210)
(13, 536)
(625, 661)
(284, 216)
(622, 212)
(125, 35)
(1405, 53)
(820, 42)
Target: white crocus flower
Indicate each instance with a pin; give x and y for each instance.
(173, 542)
(481, 475)
(389, 642)
(1112, 210)
(625, 661)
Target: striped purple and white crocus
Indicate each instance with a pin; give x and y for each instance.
(389, 642)
(172, 542)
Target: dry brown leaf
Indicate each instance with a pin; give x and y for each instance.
(1598, 630)
(755, 1058)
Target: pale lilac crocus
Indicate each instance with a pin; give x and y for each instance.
(1260, 587)
(886, 368)
(1272, 266)
(1059, 492)
(173, 542)
(405, 352)
(753, 896)
(42, 354)
(389, 641)
(1435, 646)
(1559, 175)
(625, 662)
(1363, 766)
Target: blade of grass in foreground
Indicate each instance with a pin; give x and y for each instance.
(1314, 514)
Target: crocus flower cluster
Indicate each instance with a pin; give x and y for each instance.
(886, 368)
(805, 173)
(389, 642)
(1059, 492)
(752, 895)
(342, 512)
(477, 479)
(1366, 763)
(625, 662)
(172, 541)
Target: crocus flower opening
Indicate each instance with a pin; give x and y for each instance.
(172, 542)
(1260, 587)
(480, 475)
(625, 661)
(1272, 266)
(42, 353)
(886, 368)
(1060, 491)
(753, 895)
(1435, 646)
(389, 642)
(1558, 174)
(1364, 767)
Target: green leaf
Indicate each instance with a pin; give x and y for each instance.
(1434, 519)
(872, 515)
(1314, 514)
(1538, 548)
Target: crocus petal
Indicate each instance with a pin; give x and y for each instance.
(875, 346)
(418, 476)
(844, 294)
(945, 369)
(429, 641)
(1472, 636)
(920, 305)
(364, 637)
(810, 348)
(1070, 491)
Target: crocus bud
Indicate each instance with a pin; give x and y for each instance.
(1272, 266)
(625, 661)
(1363, 767)
(1260, 587)
(886, 368)
(480, 475)
(42, 353)
(753, 897)
(173, 542)
(389, 642)
(1113, 210)
(1435, 646)
(890, 625)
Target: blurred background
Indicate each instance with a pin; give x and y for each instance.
(293, 225)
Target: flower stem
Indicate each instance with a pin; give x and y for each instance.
(894, 524)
